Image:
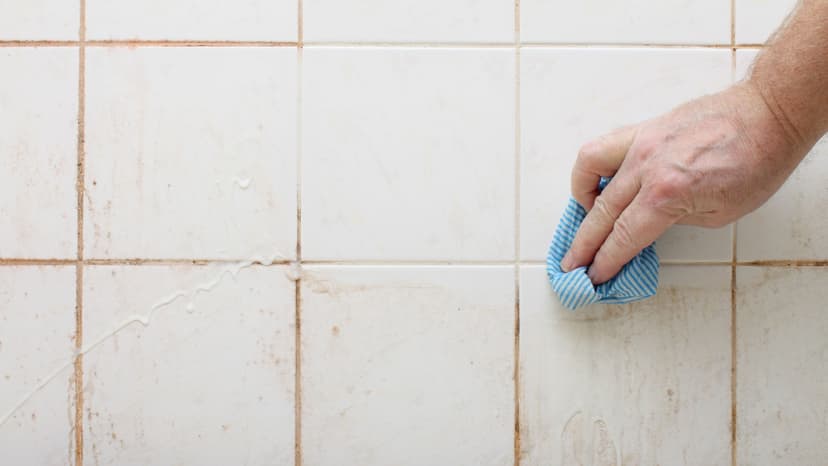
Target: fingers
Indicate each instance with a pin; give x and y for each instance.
(598, 158)
(599, 222)
(636, 228)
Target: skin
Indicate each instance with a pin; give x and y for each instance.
(711, 160)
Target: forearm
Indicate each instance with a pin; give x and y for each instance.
(792, 73)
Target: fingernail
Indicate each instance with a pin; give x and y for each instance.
(566, 263)
(592, 275)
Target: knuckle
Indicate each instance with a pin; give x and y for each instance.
(602, 207)
(670, 189)
(589, 151)
(623, 235)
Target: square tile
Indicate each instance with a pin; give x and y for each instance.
(632, 21)
(209, 380)
(756, 20)
(407, 366)
(262, 20)
(39, 20)
(791, 224)
(38, 151)
(37, 392)
(568, 98)
(645, 383)
(190, 152)
(782, 370)
(409, 20)
(408, 154)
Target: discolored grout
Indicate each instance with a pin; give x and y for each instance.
(517, 168)
(39, 43)
(79, 265)
(187, 43)
(733, 266)
(297, 308)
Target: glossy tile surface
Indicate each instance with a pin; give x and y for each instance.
(256, 20)
(408, 154)
(782, 369)
(187, 159)
(37, 391)
(208, 380)
(635, 21)
(646, 383)
(409, 20)
(38, 152)
(408, 366)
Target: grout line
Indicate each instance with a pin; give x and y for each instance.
(616, 45)
(414, 44)
(138, 261)
(80, 186)
(136, 43)
(733, 348)
(516, 373)
(18, 262)
(187, 43)
(297, 351)
(39, 43)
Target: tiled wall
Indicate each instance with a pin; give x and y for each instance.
(312, 233)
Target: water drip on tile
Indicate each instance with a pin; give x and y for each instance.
(292, 273)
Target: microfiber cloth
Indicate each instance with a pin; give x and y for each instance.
(637, 280)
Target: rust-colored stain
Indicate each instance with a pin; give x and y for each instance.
(335, 330)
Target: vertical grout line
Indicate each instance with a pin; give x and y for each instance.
(297, 364)
(516, 373)
(79, 188)
(733, 261)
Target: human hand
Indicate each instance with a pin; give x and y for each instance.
(707, 163)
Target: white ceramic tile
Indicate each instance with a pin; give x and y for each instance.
(569, 97)
(38, 150)
(647, 383)
(409, 20)
(37, 328)
(263, 20)
(39, 20)
(408, 153)
(782, 370)
(632, 21)
(407, 366)
(791, 225)
(756, 20)
(191, 152)
(208, 381)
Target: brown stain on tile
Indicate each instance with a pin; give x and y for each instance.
(335, 330)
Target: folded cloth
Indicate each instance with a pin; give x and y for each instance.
(637, 280)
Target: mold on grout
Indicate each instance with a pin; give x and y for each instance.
(80, 187)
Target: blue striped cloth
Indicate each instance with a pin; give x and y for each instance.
(636, 281)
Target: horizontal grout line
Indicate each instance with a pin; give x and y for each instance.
(39, 43)
(12, 262)
(784, 263)
(381, 44)
(187, 43)
(229, 43)
(402, 263)
(622, 45)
